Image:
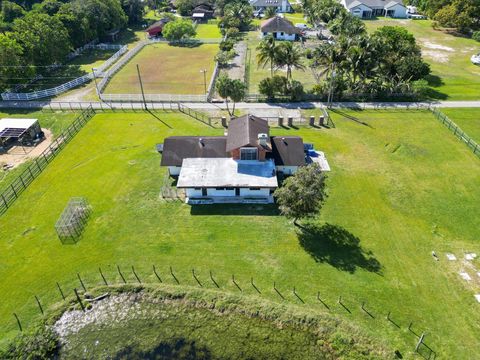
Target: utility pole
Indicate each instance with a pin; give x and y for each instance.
(95, 79)
(330, 93)
(204, 71)
(141, 87)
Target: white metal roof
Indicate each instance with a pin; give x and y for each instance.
(226, 172)
(16, 123)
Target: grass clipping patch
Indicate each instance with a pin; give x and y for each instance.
(185, 323)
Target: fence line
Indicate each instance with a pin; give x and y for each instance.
(20, 184)
(459, 133)
(154, 97)
(71, 84)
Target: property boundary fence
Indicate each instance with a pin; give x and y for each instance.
(73, 83)
(455, 129)
(20, 184)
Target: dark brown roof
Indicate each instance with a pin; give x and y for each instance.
(244, 131)
(288, 150)
(158, 24)
(177, 148)
(278, 24)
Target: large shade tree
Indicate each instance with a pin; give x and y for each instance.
(302, 194)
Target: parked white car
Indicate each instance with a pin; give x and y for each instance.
(475, 59)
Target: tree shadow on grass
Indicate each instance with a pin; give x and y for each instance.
(174, 349)
(334, 245)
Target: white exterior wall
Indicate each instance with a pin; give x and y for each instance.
(358, 10)
(215, 192)
(285, 6)
(263, 192)
(400, 11)
(279, 36)
(192, 193)
(174, 170)
(287, 170)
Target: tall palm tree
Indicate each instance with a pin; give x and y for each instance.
(267, 52)
(291, 56)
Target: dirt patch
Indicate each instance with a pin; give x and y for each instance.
(18, 155)
(437, 56)
(434, 46)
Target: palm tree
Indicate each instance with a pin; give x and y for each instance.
(325, 58)
(291, 56)
(267, 52)
(270, 12)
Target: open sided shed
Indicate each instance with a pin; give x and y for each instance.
(23, 130)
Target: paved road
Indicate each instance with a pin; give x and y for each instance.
(265, 107)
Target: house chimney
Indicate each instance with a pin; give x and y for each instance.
(262, 139)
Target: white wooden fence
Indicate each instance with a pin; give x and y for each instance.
(73, 83)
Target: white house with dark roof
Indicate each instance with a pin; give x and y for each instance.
(367, 9)
(240, 167)
(281, 6)
(280, 28)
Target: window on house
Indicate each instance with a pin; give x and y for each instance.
(248, 154)
(255, 189)
(281, 34)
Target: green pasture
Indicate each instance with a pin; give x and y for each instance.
(468, 119)
(166, 69)
(208, 31)
(401, 187)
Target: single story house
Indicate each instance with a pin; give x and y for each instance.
(367, 9)
(157, 27)
(202, 13)
(280, 29)
(240, 167)
(280, 6)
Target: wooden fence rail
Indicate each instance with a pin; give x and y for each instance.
(20, 184)
(455, 129)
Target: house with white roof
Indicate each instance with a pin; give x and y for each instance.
(241, 167)
(367, 9)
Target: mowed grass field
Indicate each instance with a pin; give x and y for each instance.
(56, 122)
(467, 119)
(166, 69)
(208, 31)
(453, 76)
(401, 187)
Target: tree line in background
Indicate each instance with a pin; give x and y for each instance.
(463, 15)
(35, 34)
(387, 62)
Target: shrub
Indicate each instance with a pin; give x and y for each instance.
(295, 90)
(178, 30)
(233, 33)
(39, 343)
(224, 57)
(476, 35)
(227, 45)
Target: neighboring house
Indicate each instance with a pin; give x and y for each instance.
(281, 6)
(157, 27)
(202, 13)
(367, 9)
(280, 29)
(240, 167)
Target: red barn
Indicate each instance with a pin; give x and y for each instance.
(157, 27)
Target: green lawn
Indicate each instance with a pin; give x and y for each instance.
(166, 69)
(453, 76)
(54, 121)
(401, 186)
(467, 119)
(257, 74)
(208, 31)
